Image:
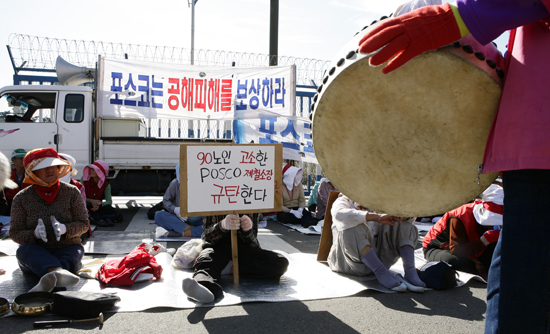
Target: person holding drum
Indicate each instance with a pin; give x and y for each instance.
(294, 200)
(366, 243)
(466, 237)
(47, 220)
(518, 291)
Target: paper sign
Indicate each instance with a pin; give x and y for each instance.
(230, 178)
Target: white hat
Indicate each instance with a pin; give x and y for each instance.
(488, 211)
(72, 160)
(48, 162)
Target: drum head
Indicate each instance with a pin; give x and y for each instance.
(408, 143)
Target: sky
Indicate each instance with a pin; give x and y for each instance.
(314, 29)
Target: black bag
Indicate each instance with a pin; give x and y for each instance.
(438, 275)
(157, 207)
(82, 304)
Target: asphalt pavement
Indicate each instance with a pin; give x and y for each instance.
(458, 310)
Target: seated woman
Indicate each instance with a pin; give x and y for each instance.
(47, 220)
(17, 175)
(465, 237)
(98, 195)
(294, 200)
(170, 219)
(322, 197)
(366, 242)
(254, 262)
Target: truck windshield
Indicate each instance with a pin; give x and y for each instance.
(25, 108)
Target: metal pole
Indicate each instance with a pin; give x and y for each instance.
(192, 32)
(273, 32)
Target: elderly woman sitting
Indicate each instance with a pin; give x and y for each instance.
(47, 220)
(294, 201)
(366, 242)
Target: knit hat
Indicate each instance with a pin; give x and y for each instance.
(101, 169)
(488, 211)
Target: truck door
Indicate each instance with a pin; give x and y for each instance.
(74, 123)
(27, 120)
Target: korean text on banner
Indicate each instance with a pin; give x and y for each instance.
(157, 90)
(293, 133)
(230, 178)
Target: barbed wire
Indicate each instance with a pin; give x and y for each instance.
(42, 52)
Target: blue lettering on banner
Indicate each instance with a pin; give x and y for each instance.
(116, 87)
(290, 130)
(271, 122)
(146, 99)
(241, 94)
(156, 92)
(130, 84)
(309, 145)
(280, 91)
(144, 103)
(248, 97)
(267, 93)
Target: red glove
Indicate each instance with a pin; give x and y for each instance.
(409, 35)
(491, 236)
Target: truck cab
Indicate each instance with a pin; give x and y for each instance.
(59, 117)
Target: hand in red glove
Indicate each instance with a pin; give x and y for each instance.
(409, 35)
(491, 236)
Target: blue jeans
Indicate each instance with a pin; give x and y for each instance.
(37, 259)
(518, 291)
(170, 222)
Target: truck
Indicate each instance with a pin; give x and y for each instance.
(115, 115)
(64, 118)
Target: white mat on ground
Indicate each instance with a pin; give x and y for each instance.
(306, 279)
(313, 230)
(116, 242)
(162, 234)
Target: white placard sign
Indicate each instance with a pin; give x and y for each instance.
(230, 178)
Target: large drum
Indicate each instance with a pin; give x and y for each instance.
(411, 142)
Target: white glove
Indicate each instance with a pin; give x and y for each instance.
(231, 222)
(40, 231)
(296, 213)
(246, 223)
(177, 211)
(58, 228)
(183, 219)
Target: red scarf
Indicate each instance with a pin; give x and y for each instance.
(48, 193)
(93, 191)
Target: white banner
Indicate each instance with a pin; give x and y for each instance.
(294, 133)
(156, 90)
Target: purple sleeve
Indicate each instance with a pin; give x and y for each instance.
(487, 19)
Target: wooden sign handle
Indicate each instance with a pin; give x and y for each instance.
(235, 256)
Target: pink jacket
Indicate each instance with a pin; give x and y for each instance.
(520, 135)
